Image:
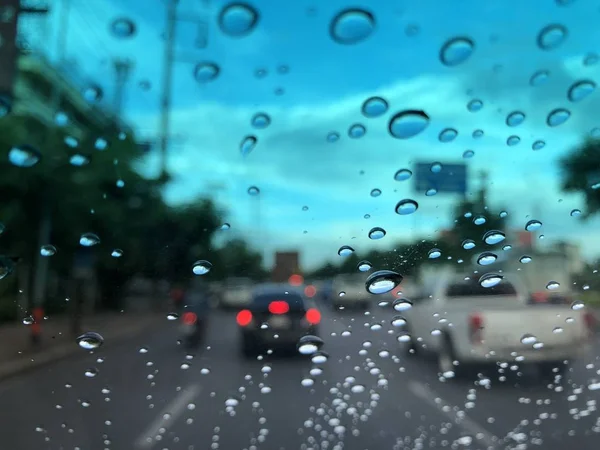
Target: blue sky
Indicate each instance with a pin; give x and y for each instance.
(327, 82)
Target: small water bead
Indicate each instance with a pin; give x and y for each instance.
(552, 285)
(90, 340)
(525, 259)
(319, 357)
(436, 167)
(382, 281)
(447, 135)
(333, 136)
(206, 71)
(309, 344)
(477, 134)
(468, 154)
(538, 145)
(533, 225)
(468, 244)
(493, 237)
(201, 267)
(364, 266)
(515, 118)
(434, 253)
(24, 156)
(479, 220)
(513, 140)
(398, 321)
(528, 339)
(377, 233)
(357, 131)
(100, 144)
(172, 316)
(238, 19)
(48, 250)
(580, 90)
(456, 51)
(253, 191)
(248, 144)
(375, 192)
(407, 124)
(575, 212)
(402, 304)
(590, 59)
(91, 372)
(490, 280)
(345, 250)
(260, 120)
(89, 240)
(406, 207)
(374, 107)
(486, 258)
(557, 117)
(351, 26)
(577, 305)
(431, 192)
(93, 93)
(475, 105)
(123, 28)
(402, 175)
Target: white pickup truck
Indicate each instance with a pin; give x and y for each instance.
(465, 324)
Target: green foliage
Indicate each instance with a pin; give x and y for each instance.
(581, 172)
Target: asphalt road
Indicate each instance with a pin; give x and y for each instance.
(164, 399)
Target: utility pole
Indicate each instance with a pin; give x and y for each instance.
(123, 69)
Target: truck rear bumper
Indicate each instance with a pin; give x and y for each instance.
(569, 352)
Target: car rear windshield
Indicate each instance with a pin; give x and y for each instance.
(476, 290)
(262, 301)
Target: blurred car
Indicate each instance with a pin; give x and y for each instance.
(465, 325)
(276, 317)
(236, 293)
(195, 316)
(349, 291)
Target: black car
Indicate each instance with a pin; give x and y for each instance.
(276, 317)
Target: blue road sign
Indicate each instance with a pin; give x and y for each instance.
(449, 178)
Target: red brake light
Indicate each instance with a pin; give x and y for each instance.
(313, 316)
(244, 317)
(189, 318)
(310, 291)
(279, 307)
(475, 328)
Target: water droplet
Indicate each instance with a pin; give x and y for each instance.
(91, 372)
(456, 51)
(364, 266)
(515, 118)
(405, 337)
(48, 250)
(402, 175)
(468, 244)
(553, 285)
(575, 212)
(93, 93)
(434, 253)
(357, 389)
(467, 154)
(557, 117)
(591, 59)
(238, 19)
(375, 192)
(398, 321)
(436, 167)
(28, 320)
(79, 159)
(117, 253)
(24, 156)
(345, 250)
(333, 136)
(374, 107)
(538, 145)
(89, 240)
(490, 280)
(100, 144)
(260, 120)
(248, 144)
(479, 220)
(525, 259)
(253, 191)
(351, 26)
(551, 36)
(528, 339)
(407, 124)
(90, 340)
(513, 140)
(436, 332)
(557, 330)
(402, 304)
(475, 105)
(201, 267)
(533, 225)
(319, 357)
(406, 206)
(309, 344)
(357, 131)
(367, 216)
(477, 134)
(61, 119)
(307, 382)
(447, 135)
(232, 402)
(376, 233)
(122, 28)
(172, 316)
(486, 258)
(206, 71)
(580, 90)
(539, 78)
(493, 237)
(577, 305)
(382, 281)
(143, 350)
(430, 192)
(226, 226)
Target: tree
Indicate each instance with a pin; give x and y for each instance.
(581, 174)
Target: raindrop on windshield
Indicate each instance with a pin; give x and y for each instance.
(407, 124)
(364, 266)
(515, 118)
(468, 244)
(553, 285)
(93, 93)
(374, 107)
(486, 258)
(538, 145)
(447, 135)
(345, 250)
(528, 339)
(356, 131)
(402, 304)
(24, 156)
(456, 51)
(580, 90)
(475, 105)
(479, 220)
(468, 154)
(375, 192)
(513, 140)
(248, 144)
(309, 344)
(376, 233)
(260, 120)
(575, 212)
(398, 321)
(253, 191)
(206, 71)
(172, 316)
(525, 259)
(577, 305)
(90, 340)
(333, 136)
(117, 253)
(238, 19)
(551, 36)
(319, 357)
(493, 237)
(351, 26)
(533, 225)
(91, 372)
(557, 117)
(490, 280)
(382, 281)
(402, 175)
(79, 159)
(48, 250)
(201, 267)
(406, 207)
(122, 28)
(89, 240)
(434, 253)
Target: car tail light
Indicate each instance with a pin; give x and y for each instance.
(590, 322)
(278, 307)
(189, 318)
(244, 317)
(476, 328)
(313, 316)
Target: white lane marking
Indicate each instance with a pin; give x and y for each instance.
(428, 395)
(174, 410)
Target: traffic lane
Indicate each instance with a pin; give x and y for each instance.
(69, 409)
(524, 407)
(355, 400)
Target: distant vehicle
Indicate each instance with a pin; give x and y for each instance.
(349, 291)
(194, 319)
(465, 324)
(277, 317)
(236, 293)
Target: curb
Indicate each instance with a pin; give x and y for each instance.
(60, 352)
